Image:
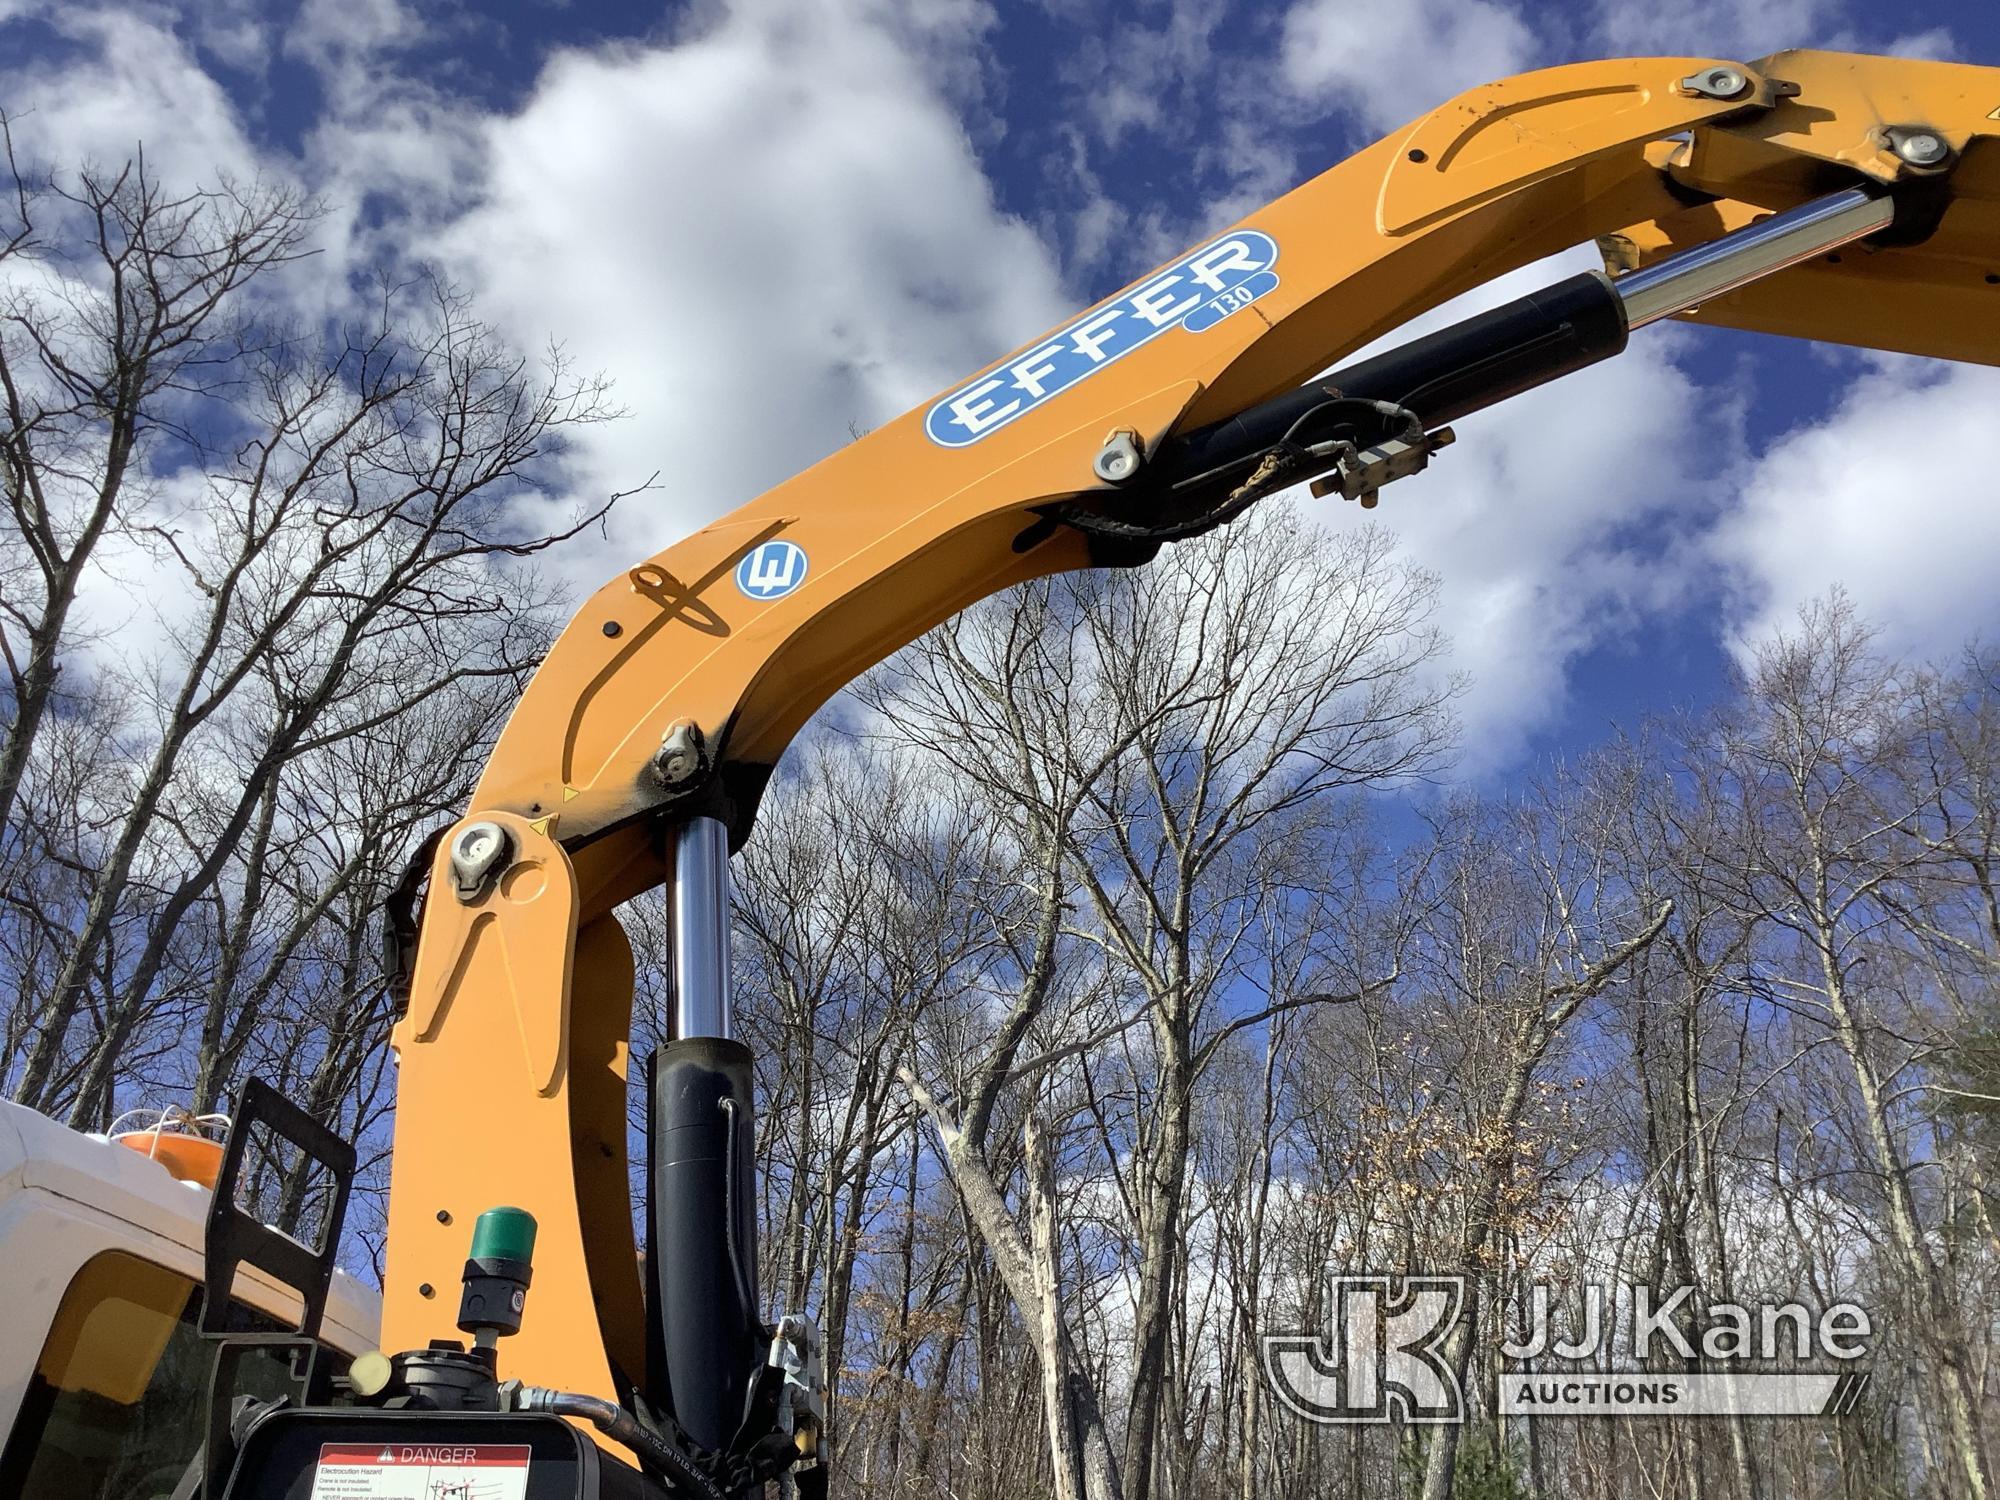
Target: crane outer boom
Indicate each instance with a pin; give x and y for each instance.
(512, 1051)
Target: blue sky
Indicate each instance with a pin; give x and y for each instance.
(772, 221)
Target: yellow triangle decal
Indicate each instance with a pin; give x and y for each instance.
(541, 824)
(570, 794)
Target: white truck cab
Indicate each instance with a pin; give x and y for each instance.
(103, 1377)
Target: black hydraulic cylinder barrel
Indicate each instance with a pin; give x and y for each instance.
(1441, 376)
(705, 1341)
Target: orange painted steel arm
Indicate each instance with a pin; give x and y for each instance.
(512, 1052)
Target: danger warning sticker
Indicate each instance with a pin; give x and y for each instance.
(421, 1471)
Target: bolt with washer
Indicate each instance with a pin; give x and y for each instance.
(1118, 460)
(680, 756)
(478, 852)
(1922, 148)
(1718, 83)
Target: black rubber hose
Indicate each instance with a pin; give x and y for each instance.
(621, 1426)
(1442, 376)
(730, 1208)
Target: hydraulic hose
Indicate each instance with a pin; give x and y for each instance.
(621, 1426)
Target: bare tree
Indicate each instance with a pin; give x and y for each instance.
(849, 904)
(121, 332)
(269, 594)
(1151, 738)
(1833, 830)
(340, 559)
(1527, 929)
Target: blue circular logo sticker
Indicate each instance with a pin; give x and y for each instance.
(772, 570)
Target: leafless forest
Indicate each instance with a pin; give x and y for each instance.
(1119, 957)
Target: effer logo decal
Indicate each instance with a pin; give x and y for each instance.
(1196, 292)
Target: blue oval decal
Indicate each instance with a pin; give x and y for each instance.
(772, 570)
(1221, 305)
(1195, 293)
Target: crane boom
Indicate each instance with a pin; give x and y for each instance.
(1824, 196)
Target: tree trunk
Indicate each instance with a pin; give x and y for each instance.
(1958, 1391)
(987, 1210)
(1065, 1442)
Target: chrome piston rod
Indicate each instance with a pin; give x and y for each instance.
(699, 911)
(1686, 280)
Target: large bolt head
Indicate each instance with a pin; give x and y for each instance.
(679, 756)
(1922, 148)
(1717, 83)
(478, 844)
(1118, 459)
(476, 851)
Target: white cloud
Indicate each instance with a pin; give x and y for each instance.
(1740, 29)
(1143, 75)
(1937, 44)
(1894, 497)
(1748, 29)
(237, 32)
(1621, 503)
(766, 233)
(1388, 64)
(766, 229)
(331, 33)
(137, 86)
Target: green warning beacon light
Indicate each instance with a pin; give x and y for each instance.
(497, 1275)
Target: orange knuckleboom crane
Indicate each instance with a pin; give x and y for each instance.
(1825, 196)
(1846, 198)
